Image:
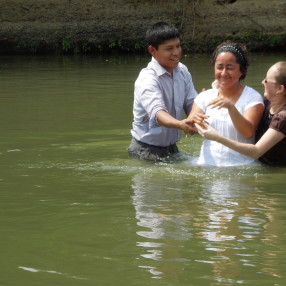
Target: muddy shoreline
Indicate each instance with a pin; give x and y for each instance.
(73, 26)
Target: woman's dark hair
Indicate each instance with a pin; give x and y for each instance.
(159, 33)
(238, 50)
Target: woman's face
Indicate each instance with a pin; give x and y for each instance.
(270, 84)
(227, 70)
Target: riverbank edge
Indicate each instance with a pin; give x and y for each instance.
(255, 41)
(119, 26)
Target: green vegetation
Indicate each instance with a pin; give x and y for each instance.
(30, 46)
(68, 45)
(254, 40)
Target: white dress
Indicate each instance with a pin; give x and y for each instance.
(214, 153)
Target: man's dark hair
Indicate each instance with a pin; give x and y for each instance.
(159, 33)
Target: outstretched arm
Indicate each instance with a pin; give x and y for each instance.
(270, 138)
(166, 120)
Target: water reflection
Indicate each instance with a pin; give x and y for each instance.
(206, 218)
(71, 196)
(162, 219)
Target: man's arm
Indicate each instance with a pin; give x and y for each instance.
(166, 120)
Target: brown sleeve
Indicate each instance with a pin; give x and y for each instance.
(278, 122)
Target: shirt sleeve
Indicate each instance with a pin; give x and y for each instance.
(254, 98)
(150, 94)
(202, 100)
(278, 122)
(190, 90)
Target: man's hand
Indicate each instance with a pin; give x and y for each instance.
(188, 126)
(196, 118)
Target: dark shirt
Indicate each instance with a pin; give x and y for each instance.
(276, 156)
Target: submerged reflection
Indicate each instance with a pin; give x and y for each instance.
(154, 206)
(221, 199)
(209, 220)
(164, 222)
(238, 218)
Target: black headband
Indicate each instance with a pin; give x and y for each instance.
(232, 49)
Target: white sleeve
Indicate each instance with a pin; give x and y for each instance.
(203, 99)
(254, 98)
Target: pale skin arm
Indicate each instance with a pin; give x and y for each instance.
(270, 138)
(246, 123)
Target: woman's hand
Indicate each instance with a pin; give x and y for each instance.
(221, 102)
(208, 132)
(198, 118)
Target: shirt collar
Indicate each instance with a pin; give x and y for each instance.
(159, 69)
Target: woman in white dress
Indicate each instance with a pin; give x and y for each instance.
(233, 109)
(270, 147)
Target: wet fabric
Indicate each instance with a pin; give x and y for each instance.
(157, 90)
(214, 153)
(145, 151)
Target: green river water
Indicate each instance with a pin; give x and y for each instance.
(76, 211)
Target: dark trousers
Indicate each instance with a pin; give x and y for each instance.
(145, 151)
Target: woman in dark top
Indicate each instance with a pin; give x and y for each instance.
(270, 147)
(277, 121)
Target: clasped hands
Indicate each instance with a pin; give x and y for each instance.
(198, 124)
(198, 121)
(190, 123)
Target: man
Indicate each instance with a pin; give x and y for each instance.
(162, 91)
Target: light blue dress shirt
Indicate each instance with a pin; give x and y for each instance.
(156, 90)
